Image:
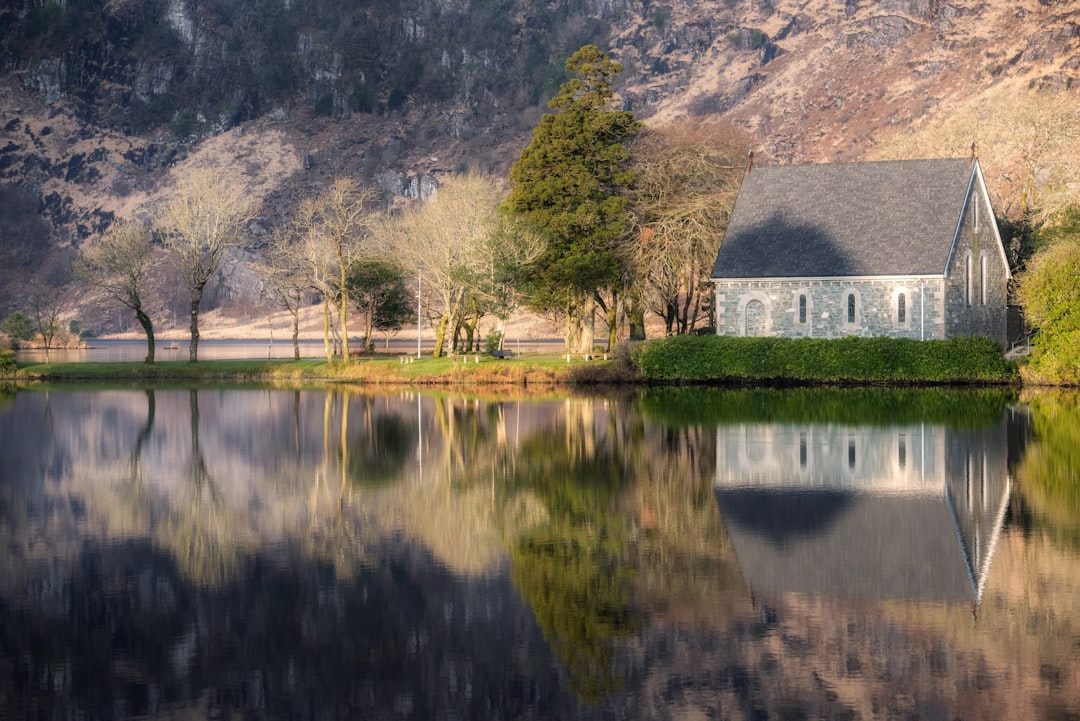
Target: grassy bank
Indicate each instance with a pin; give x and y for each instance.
(812, 360)
(525, 371)
(681, 359)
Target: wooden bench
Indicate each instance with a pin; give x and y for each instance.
(506, 353)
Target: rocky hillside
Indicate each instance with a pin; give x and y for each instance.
(103, 102)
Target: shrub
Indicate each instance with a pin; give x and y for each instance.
(7, 363)
(493, 342)
(18, 326)
(843, 360)
(1055, 360)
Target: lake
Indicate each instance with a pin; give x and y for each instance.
(643, 554)
(112, 350)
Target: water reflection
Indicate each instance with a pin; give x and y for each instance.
(889, 512)
(345, 554)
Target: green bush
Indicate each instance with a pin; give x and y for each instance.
(810, 360)
(18, 326)
(1055, 359)
(493, 342)
(7, 363)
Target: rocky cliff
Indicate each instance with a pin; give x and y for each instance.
(103, 101)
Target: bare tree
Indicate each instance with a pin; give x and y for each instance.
(329, 234)
(496, 264)
(116, 265)
(687, 180)
(199, 226)
(44, 308)
(285, 285)
(443, 238)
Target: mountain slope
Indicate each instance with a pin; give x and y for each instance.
(102, 102)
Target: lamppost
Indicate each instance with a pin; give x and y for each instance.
(419, 307)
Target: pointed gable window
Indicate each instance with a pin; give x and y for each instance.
(983, 278)
(969, 281)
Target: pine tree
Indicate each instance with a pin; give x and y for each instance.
(567, 184)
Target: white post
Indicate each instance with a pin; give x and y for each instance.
(419, 283)
(922, 311)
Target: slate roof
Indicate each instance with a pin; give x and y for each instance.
(846, 545)
(845, 219)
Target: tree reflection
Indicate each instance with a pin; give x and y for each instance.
(1049, 474)
(575, 570)
(204, 535)
(380, 453)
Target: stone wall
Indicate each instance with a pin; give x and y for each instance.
(773, 308)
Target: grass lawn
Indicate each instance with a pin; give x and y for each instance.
(532, 369)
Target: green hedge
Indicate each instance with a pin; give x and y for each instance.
(7, 363)
(967, 407)
(814, 360)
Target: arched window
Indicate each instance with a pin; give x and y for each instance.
(982, 279)
(969, 280)
(802, 309)
(901, 309)
(850, 307)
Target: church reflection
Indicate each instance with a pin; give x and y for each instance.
(907, 512)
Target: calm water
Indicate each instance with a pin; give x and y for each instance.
(100, 350)
(658, 554)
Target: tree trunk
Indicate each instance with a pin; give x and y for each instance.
(684, 320)
(326, 330)
(635, 316)
(295, 333)
(196, 301)
(471, 341)
(440, 334)
(580, 329)
(148, 328)
(455, 335)
(613, 326)
(345, 357)
(671, 312)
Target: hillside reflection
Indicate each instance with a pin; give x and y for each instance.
(647, 554)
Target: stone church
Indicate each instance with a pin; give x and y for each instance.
(908, 249)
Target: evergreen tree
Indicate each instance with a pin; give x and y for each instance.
(567, 184)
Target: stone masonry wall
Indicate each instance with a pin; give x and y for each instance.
(772, 308)
(977, 280)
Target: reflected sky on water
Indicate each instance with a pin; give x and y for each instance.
(646, 554)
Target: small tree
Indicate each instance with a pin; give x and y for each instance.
(116, 265)
(1049, 291)
(377, 289)
(285, 284)
(19, 326)
(329, 235)
(199, 226)
(44, 309)
(443, 237)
